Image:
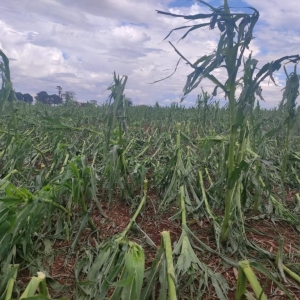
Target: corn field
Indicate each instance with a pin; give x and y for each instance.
(151, 202)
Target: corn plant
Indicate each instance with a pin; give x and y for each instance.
(59, 163)
(189, 268)
(7, 93)
(117, 109)
(35, 289)
(116, 258)
(280, 265)
(22, 214)
(203, 106)
(177, 173)
(246, 273)
(79, 181)
(290, 95)
(236, 34)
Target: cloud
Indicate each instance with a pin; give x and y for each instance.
(175, 100)
(79, 44)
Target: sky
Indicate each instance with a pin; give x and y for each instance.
(79, 44)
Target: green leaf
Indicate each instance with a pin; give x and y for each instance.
(235, 176)
(272, 132)
(216, 81)
(259, 267)
(241, 284)
(125, 282)
(11, 200)
(153, 272)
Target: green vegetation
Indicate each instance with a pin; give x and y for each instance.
(139, 202)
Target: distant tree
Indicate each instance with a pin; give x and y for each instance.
(19, 96)
(94, 102)
(43, 97)
(54, 99)
(59, 90)
(128, 101)
(69, 96)
(27, 98)
(24, 97)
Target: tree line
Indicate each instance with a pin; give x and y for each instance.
(55, 99)
(44, 97)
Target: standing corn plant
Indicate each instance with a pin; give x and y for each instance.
(117, 108)
(236, 34)
(290, 94)
(203, 105)
(7, 93)
(116, 169)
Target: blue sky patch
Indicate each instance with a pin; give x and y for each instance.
(65, 56)
(134, 24)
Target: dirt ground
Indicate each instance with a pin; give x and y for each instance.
(264, 232)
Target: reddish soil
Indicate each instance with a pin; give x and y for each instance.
(261, 231)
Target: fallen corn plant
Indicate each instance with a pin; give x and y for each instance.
(117, 269)
(22, 214)
(160, 278)
(194, 275)
(246, 274)
(177, 173)
(283, 268)
(36, 288)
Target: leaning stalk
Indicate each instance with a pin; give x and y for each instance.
(229, 191)
(258, 291)
(142, 203)
(286, 153)
(84, 209)
(31, 288)
(60, 207)
(292, 274)
(170, 267)
(182, 205)
(11, 282)
(226, 220)
(43, 287)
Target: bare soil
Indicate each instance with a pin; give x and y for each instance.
(264, 232)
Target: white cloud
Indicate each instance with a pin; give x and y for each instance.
(176, 100)
(79, 44)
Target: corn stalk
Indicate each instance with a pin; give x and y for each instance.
(236, 34)
(290, 95)
(7, 93)
(245, 273)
